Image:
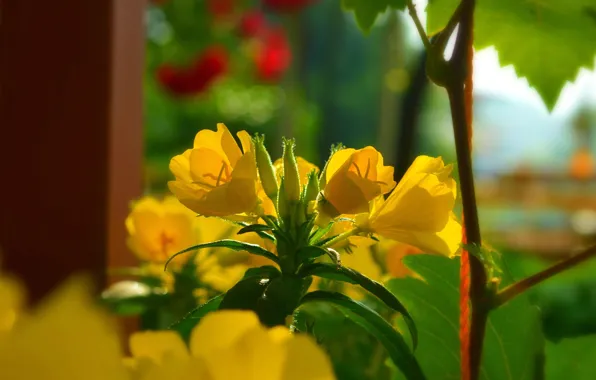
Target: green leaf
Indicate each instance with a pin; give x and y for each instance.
(268, 271)
(394, 343)
(310, 252)
(571, 359)
(319, 233)
(254, 228)
(547, 41)
(512, 336)
(366, 11)
(235, 245)
(272, 299)
(185, 326)
(352, 276)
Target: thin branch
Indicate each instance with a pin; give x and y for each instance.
(419, 27)
(458, 75)
(519, 287)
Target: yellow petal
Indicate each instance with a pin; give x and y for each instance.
(188, 194)
(336, 161)
(11, 303)
(221, 141)
(420, 203)
(245, 141)
(221, 329)
(209, 168)
(246, 168)
(67, 338)
(445, 242)
(180, 166)
(301, 349)
(156, 344)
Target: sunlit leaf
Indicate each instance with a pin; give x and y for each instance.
(547, 41)
(512, 338)
(366, 11)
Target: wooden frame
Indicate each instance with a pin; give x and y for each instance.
(71, 135)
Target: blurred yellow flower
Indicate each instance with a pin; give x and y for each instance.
(352, 179)
(229, 344)
(11, 303)
(394, 253)
(159, 229)
(419, 211)
(66, 338)
(216, 177)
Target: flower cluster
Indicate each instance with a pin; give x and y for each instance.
(217, 177)
(225, 345)
(304, 217)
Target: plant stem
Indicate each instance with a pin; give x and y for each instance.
(421, 32)
(477, 271)
(519, 287)
(341, 237)
(459, 71)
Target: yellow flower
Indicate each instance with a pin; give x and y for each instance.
(66, 338)
(157, 230)
(216, 177)
(419, 211)
(229, 344)
(394, 254)
(352, 179)
(11, 303)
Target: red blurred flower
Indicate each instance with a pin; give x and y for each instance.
(252, 23)
(198, 76)
(274, 56)
(220, 8)
(287, 5)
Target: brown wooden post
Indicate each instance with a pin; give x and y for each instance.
(70, 135)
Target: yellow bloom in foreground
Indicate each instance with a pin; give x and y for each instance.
(216, 177)
(353, 178)
(159, 229)
(66, 338)
(11, 303)
(419, 211)
(228, 345)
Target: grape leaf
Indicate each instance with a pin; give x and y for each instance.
(512, 338)
(547, 41)
(571, 359)
(366, 11)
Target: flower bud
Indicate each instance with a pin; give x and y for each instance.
(283, 209)
(291, 174)
(312, 187)
(265, 167)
